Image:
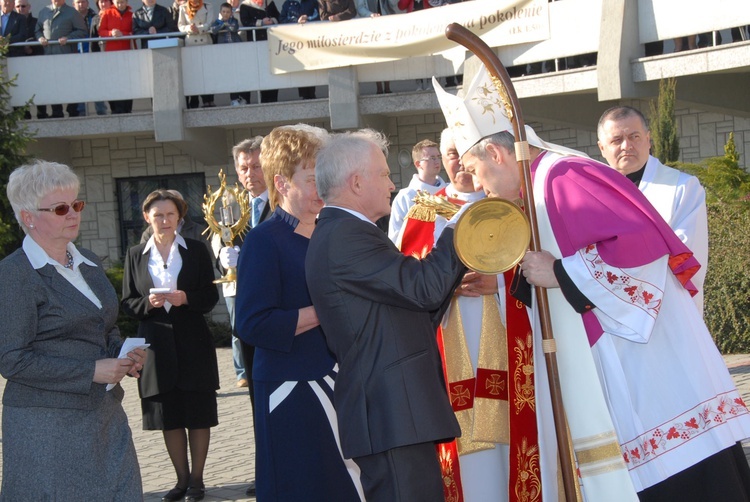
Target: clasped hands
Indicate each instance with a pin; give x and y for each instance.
(176, 298)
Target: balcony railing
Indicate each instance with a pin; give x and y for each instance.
(576, 27)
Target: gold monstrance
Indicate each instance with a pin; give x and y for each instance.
(229, 227)
(491, 236)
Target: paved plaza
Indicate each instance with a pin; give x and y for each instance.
(231, 457)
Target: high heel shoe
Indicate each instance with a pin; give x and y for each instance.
(174, 494)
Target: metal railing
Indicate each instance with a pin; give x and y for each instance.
(149, 36)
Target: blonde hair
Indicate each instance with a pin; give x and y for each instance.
(284, 149)
(30, 183)
(416, 151)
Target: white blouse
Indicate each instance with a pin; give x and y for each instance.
(164, 274)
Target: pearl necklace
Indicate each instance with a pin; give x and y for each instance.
(70, 260)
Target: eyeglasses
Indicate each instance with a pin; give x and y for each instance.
(64, 209)
(434, 158)
(22, 6)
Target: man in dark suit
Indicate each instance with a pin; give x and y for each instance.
(250, 174)
(13, 27)
(150, 19)
(379, 310)
(23, 7)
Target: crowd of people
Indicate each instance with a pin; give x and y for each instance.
(204, 23)
(379, 367)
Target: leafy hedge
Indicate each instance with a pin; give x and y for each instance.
(221, 332)
(727, 286)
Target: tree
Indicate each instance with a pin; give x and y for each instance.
(14, 137)
(666, 145)
(727, 285)
(730, 150)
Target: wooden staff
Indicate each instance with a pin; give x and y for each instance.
(461, 35)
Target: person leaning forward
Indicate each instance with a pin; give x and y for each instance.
(379, 311)
(638, 368)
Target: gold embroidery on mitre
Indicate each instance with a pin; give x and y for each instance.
(449, 475)
(523, 375)
(503, 92)
(494, 425)
(528, 485)
(491, 102)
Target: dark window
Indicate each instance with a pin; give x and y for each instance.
(131, 193)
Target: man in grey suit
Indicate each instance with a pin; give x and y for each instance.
(379, 310)
(60, 22)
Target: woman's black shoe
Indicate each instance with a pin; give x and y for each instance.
(174, 494)
(195, 493)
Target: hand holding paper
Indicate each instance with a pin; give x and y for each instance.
(129, 345)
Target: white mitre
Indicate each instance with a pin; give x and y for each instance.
(481, 113)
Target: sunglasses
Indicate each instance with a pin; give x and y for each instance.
(64, 209)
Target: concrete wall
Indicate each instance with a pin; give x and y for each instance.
(98, 161)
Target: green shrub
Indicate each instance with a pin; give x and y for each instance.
(727, 286)
(14, 139)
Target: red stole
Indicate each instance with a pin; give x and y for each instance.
(498, 404)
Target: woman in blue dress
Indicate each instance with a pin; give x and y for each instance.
(298, 456)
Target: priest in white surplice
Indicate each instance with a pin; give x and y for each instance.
(625, 143)
(619, 285)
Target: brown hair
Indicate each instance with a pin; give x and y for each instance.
(283, 149)
(162, 194)
(416, 152)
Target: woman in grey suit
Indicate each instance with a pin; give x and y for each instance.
(179, 382)
(64, 436)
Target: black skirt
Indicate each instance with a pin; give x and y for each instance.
(723, 476)
(180, 409)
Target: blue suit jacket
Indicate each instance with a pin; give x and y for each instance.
(15, 31)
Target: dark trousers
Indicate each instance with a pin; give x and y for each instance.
(193, 102)
(57, 111)
(121, 106)
(271, 95)
(307, 92)
(406, 474)
(723, 476)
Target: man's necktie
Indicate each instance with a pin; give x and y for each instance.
(255, 203)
